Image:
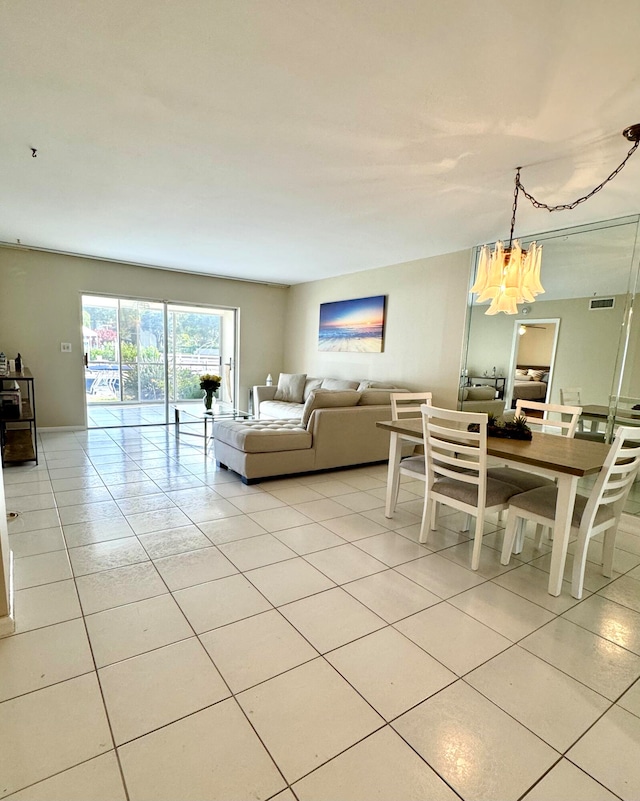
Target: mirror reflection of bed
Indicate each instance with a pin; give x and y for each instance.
(530, 383)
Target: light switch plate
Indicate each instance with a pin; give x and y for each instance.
(65, 347)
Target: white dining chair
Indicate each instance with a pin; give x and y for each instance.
(407, 404)
(571, 396)
(565, 424)
(456, 461)
(599, 512)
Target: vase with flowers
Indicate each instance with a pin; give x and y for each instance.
(210, 383)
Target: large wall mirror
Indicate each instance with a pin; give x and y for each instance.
(580, 336)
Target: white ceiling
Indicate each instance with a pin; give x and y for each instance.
(289, 140)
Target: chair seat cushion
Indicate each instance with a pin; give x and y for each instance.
(542, 502)
(415, 464)
(498, 492)
(519, 478)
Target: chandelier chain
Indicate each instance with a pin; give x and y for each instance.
(569, 206)
(515, 207)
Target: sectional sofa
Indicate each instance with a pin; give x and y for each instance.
(333, 427)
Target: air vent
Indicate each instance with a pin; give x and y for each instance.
(601, 303)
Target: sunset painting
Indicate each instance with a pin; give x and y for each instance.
(355, 326)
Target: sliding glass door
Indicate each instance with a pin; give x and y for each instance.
(143, 356)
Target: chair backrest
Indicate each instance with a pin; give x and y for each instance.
(571, 396)
(625, 413)
(616, 476)
(407, 404)
(452, 451)
(566, 424)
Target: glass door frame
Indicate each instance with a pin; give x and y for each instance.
(165, 304)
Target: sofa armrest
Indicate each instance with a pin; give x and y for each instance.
(262, 393)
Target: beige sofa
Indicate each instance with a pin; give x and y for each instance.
(267, 406)
(336, 429)
(481, 399)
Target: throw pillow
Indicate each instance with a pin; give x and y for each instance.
(309, 385)
(339, 383)
(375, 385)
(290, 387)
(328, 399)
(536, 375)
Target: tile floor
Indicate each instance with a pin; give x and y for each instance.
(182, 636)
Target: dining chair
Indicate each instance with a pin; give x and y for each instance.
(599, 512)
(456, 462)
(571, 396)
(565, 425)
(407, 404)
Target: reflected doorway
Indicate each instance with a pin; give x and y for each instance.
(533, 354)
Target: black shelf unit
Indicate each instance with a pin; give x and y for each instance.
(19, 435)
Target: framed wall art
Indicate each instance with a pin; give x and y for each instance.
(352, 326)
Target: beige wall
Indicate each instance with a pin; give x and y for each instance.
(536, 346)
(587, 344)
(426, 308)
(40, 307)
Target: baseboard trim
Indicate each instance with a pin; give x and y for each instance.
(7, 625)
(8, 622)
(45, 429)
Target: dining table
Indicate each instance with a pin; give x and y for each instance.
(562, 458)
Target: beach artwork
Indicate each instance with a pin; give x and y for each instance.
(354, 326)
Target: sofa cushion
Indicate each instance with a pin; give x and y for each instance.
(262, 436)
(290, 387)
(338, 383)
(328, 399)
(377, 397)
(280, 410)
(481, 393)
(309, 385)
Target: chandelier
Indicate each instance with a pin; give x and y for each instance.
(511, 275)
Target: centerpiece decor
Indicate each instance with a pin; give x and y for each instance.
(210, 383)
(515, 429)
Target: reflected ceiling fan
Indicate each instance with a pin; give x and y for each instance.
(524, 326)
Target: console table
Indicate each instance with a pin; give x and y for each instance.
(18, 433)
(497, 381)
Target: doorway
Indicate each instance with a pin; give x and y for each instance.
(141, 356)
(533, 353)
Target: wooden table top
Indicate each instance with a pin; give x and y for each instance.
(577, 457)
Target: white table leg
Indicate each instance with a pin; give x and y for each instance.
(567, 487)
(393, 472)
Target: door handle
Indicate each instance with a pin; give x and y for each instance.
(86, 360)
